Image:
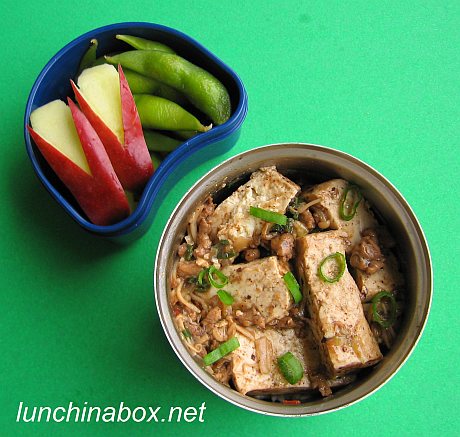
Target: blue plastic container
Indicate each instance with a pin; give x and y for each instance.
(54, 83)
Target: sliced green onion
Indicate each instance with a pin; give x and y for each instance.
(225, 297)
(202, 277)
(290, 367)
(339, 258)
(186, 333)
(268, 216)
(348, 210)
(189, 252)
(293, 286)
(221, 351)
(388, 319)
(212, 273)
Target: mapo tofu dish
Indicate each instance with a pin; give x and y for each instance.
(285, 290)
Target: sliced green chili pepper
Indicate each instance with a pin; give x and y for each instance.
(212, 271)
(225, 297)
(221, 351)
(347, 210)
(268, 216)
(290, 367)
(144, 44)
(189, 252)
(203, 90)
(89, 57)
(293, 286)
(158, 113)
(339, 258)
(157, 142)
(383, 320)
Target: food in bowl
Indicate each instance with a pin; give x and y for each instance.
(287, 288)
(99, 149)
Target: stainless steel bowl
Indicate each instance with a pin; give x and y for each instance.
(320, 163)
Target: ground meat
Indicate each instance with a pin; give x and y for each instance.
(307, 219)
(251, 254)
(283, 246)
(366, 255)
(182, 249)
(321, 216)
(213, 316)
(203, 238)
(245, 316)
(185, 269)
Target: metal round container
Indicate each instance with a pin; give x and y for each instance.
(319, 163)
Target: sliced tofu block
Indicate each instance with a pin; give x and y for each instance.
(340, 326)
(250, 377)
(266, 189)
(331, 193)
(261, 283)
(388, 278)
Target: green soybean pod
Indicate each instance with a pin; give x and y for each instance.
(156, 160)
(158, 113)
(89, 57)
(157, 142)
(144, 44)
(202, 89)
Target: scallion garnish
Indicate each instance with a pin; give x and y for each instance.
(189, 252)
(202, 277)
(290, 367)
(339, 258)
(387, 315)
(348, 206)
(293, 286)
(225, 297)
(216, 278)
(268, 216)
(186, 333)
(221, 351)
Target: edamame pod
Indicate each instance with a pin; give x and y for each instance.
(156, 160)
(144, 44)
(203, 90)
(158, 113)
(140, 84)
(157, 142)
(89, 57)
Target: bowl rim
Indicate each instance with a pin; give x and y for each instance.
(233, 396)
(168, 165)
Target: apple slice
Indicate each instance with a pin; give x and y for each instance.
(106, 100)
(72, 148)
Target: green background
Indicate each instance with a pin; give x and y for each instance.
(377, 79)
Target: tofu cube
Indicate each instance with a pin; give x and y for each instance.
(266, 189)
(340, 326)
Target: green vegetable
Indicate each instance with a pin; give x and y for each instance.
(221, 351)
(144, 44)
(290, 367)
(268, 216)
(158, 113)
(389, 311)
(212, 271)
(156, 160)
(157, 142)
(348, 207)
(339, 258)
(89, 57)
(293, 286)
(203, 90)
(140, 84)
(189, 252)
(222, 253)
(225, 297)
(186, 333)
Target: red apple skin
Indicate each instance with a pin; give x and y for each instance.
(100, 194)
(131, 160)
